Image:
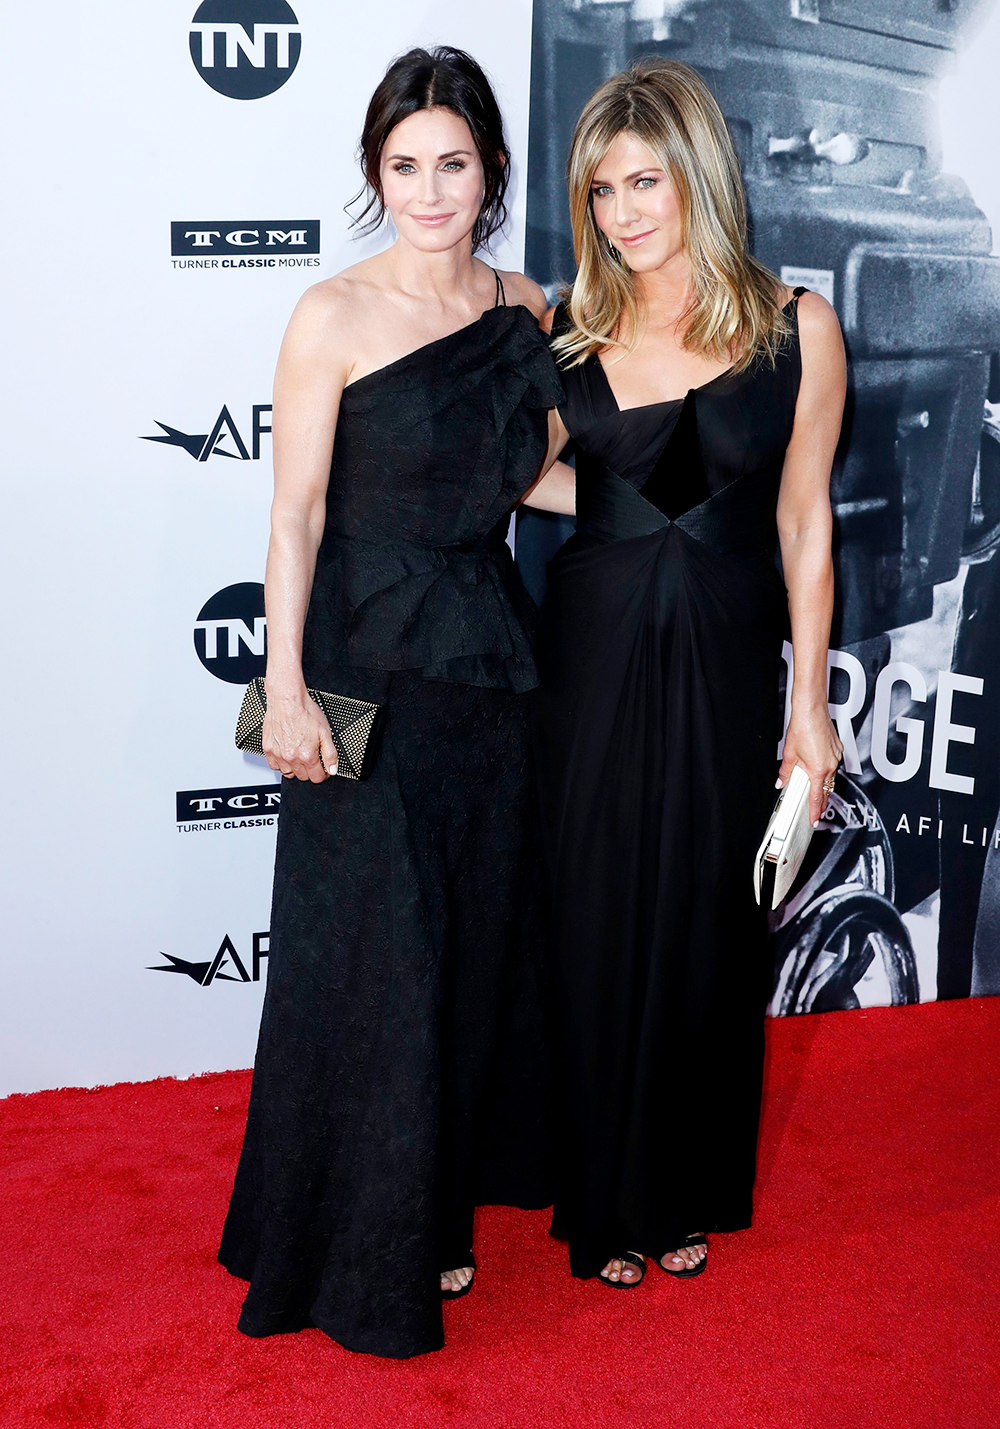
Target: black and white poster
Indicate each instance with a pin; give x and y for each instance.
(836, 112)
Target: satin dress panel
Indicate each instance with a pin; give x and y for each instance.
(657, 723)
(400, 1077)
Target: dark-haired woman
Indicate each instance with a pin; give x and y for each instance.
(399, 1077)
(704, 400)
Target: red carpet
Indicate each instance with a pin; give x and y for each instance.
(865, 1295)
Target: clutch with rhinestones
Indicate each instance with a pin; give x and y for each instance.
(356, 726)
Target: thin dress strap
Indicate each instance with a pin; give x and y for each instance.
(797, 292)
(501, 297)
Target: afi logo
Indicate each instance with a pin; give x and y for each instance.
(245, 49)
(227, 957)
(230, 634)
(202, 445)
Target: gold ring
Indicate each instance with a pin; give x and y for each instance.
(828, 783)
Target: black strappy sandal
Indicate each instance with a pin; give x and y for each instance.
(457, 1294)
(628, 1257)
(689, 1271)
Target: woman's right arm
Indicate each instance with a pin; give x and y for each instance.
(309, 379)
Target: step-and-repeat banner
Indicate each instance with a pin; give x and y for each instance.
(180, 178)
(867, 134)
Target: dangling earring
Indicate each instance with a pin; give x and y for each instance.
(615, 255)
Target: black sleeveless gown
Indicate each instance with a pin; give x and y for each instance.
(400, 1073)
(657, 722)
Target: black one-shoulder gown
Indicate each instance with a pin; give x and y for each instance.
(657, 721)
(400, 1073)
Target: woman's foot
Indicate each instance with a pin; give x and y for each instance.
(625, 1271)
(688, 1258)
(457, 1282)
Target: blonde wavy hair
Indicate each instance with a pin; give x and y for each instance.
(735, 310)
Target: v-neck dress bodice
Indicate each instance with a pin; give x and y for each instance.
(678, 455)
(657, 724)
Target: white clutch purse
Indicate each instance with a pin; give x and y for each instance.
(786, 839)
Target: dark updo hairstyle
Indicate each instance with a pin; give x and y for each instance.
(442, 78)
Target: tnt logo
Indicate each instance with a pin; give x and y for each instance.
(230, 634)
(245, 49)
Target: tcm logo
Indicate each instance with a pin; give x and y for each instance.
(197, 805)
(272, 236)
(230, 634)
(224, 436)
(226, 966)
(245, 49)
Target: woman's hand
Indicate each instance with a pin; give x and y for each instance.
(812, 742)
(297, 739)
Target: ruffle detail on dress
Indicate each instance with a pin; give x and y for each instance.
(498, 374)
(452, 612)
(508, 337)
(413, 572)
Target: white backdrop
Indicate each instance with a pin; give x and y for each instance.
(114, 544)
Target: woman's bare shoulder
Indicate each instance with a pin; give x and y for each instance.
(815, 311)
(824, 363)
(344, 298)
(819, 329)
(335, 314)
(523, 291)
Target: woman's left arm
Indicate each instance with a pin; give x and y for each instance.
(805, 528)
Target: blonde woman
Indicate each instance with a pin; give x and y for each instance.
(704, 400)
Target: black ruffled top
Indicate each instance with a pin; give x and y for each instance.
(431, 455)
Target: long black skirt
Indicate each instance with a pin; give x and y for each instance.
(657, 724)
(400, 1077)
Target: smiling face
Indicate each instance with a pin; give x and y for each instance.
(636, 206)
(432, 179)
